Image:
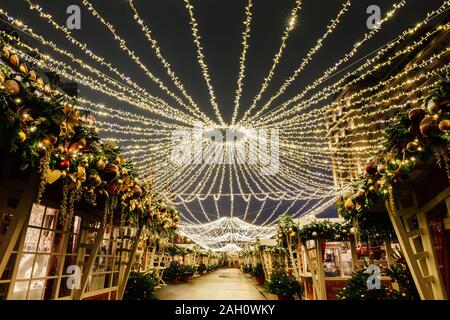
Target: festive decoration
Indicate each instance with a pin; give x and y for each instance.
(282, 285)
(415, 135)
(42, 126)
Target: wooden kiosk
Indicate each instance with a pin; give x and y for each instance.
(42, 258)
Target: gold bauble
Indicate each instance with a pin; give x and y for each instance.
(12, 87)
(22, 136)
(444, 126)
(14, 60)
(23, 68)
(33, 75)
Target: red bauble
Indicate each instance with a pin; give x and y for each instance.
(370, 168)
(63, 164)
(101, 193)
(111, 172)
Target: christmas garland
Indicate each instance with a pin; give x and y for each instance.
(44, 128)
(321, 230)
(415, 135)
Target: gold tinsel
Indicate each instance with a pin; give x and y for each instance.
(443, 159)
(64, 202)
(44, 166)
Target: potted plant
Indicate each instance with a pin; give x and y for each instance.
(185, 272)
(171, 273)
(283, 285)
(140, 286)
(258, 273)
(201, 268)
(247, 268)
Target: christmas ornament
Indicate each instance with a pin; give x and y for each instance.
(101, 193)
(95, 180)
(6, 53)
(416, 115)
(381, 168)
(370, 168)
(163, 207)
(353, 230)
(14, 60)
(314, 234)
(2, 78)
(360, 194)
(23, 68)
(12, 87)
(32, 75)
(412, 146)
(64, 164)
(41, 149)
(444, 126)
(349, 205)
(429, 125)
(111, 172)
(40, 82)
(22, 136)
(137, 192)
(100, 165)
(432, 107)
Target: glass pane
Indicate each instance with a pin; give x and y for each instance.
(72, 244)
(37, 214)
(64, 290)
(51, 216)
(20, 290)
(100, 264)
(46, 241)
(109, 263)
(36, 290)
(25, 266)
(31, 240)
(116, 264)
(96, 282)
(76, 225)
(53, 267)
(41, 266)
(50, 287)
(58, 242)
(115, 279)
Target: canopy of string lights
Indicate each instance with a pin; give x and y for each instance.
(232, 179)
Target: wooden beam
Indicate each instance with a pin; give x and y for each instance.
(123, 285)
(20, 219)
(87, 268)
(355, 260)
(423, 289)
(321, 271)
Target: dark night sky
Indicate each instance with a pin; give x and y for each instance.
(221, 27)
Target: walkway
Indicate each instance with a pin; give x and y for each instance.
(223, 284)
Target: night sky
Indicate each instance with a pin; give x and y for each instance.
(221, 26)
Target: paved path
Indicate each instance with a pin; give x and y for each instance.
(223, 284)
